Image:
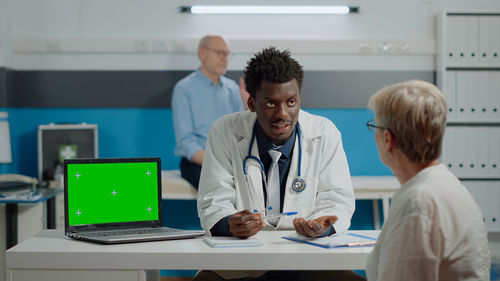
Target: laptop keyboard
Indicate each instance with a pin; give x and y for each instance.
(132, 232)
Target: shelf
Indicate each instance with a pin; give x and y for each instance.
(473, 68)
(473, 123)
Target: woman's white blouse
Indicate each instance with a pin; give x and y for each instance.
(434, 231)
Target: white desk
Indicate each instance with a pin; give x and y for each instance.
(365, 187)
(49, 255)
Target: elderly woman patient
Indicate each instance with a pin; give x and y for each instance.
(434, 230)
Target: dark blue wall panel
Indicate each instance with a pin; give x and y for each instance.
(153, 89)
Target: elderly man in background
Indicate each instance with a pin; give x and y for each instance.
(201, 98)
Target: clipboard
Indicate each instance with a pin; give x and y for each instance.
(349, 239)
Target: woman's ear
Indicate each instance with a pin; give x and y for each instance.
(389, 140)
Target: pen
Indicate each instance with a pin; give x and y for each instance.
(280, 215)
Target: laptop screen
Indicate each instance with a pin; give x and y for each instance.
(108, 191)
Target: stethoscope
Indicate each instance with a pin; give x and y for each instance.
(298, 184)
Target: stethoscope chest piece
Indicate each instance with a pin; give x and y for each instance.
(298, 185)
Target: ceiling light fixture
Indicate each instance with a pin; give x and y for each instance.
(268, 9)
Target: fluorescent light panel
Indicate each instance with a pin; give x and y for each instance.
(269, 9)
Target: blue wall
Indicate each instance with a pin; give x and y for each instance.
(149, 132)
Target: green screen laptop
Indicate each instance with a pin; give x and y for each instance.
(116, 200)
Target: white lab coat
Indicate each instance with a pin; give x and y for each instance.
(434, 232)
(223, 189)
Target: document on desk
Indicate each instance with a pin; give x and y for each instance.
(28, 195)
(225, 242)
(348, 239)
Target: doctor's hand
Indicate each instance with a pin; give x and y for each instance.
(244, 224)
(315, 227)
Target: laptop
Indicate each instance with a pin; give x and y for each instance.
(116, 200)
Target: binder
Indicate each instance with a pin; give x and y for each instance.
(452, 152)
(495, 41)
(494, 94)
(462, 40)
(469, 146)
(447, 151)
(493, 213)
(452, 44)
(473, 93)
(479, 192)
(471, 40)
(462, 91)
(489, 40)
(450, 92)
(460, 158)
(483, 100)
(483, 157)
(494, 151)
(485, 40)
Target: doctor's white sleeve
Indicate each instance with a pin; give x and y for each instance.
(335, 192)
(216, 193)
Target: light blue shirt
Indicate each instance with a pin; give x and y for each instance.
(196, 103)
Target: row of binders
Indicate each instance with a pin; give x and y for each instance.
(472, 40)
(472, 95)
(487, 194)
(472, 152)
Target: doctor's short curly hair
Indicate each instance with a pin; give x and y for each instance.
(271, 65)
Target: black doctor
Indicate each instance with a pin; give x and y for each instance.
(282, 141)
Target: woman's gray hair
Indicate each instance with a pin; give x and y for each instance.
(415, 113)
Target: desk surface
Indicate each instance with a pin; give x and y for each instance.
(50, 249)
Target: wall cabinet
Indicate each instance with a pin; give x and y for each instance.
(468, 72)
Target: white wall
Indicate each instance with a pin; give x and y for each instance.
(3, 31)
(152, 34)
(151, 18)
